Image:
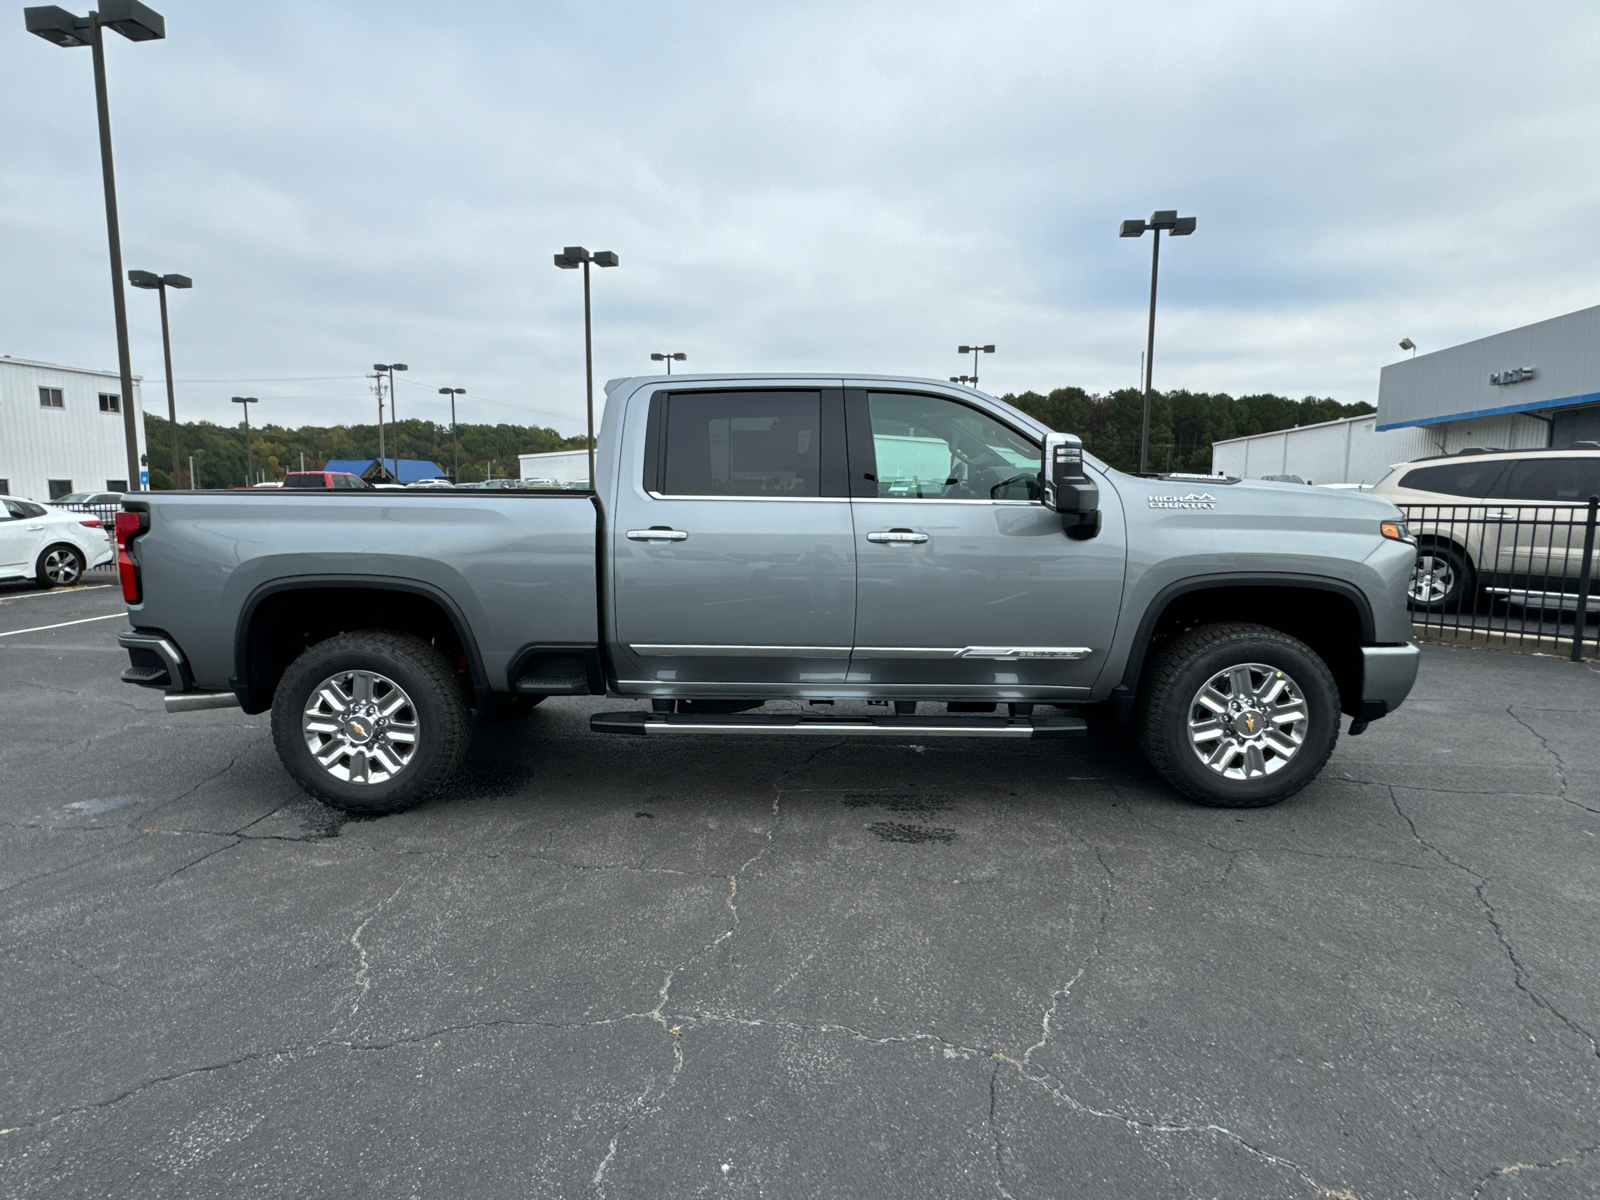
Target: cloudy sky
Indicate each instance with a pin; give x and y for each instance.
(810, 187)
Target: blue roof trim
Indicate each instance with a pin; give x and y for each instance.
(1560, 402)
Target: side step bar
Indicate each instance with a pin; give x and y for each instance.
(1051, 724)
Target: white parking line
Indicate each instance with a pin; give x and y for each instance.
(61, 624)
(93, 587)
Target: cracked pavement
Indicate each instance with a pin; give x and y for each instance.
(619, 968)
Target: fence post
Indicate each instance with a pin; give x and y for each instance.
(1581, 621)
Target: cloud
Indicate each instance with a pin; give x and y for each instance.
(810, 187)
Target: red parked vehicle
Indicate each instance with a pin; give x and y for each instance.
(324, 479)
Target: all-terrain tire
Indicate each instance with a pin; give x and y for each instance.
(1172, 715)
(407, 668)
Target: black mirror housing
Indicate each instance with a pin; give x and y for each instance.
(1068, 489)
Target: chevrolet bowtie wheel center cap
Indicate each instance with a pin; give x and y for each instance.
(361, 727)
(1247, 721)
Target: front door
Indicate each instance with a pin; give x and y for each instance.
(733, 546)
(967, 587)
(16, 540)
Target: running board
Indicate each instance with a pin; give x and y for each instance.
(650, 724)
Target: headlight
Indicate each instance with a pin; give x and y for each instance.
(1397, 531)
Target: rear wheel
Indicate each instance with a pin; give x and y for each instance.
(370, 722)
(60, 566)
(1238, 716)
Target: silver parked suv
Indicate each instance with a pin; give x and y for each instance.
(1508, 522)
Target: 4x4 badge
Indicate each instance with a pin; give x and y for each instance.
(1192, 500)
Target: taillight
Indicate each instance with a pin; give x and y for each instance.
(129, 526)
(91, 524)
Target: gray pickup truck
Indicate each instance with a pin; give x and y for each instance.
(925, 551)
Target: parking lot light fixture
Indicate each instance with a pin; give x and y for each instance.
(1168, 220)
(394, 413)
(149, 280)
(455, 437)
(669, 358)
(570, 259)
(974, 351)
(1408, 344)
(249, 458)
(137, 23)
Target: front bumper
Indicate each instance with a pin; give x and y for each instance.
(1387, 673)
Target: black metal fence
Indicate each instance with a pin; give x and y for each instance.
(1506, 573)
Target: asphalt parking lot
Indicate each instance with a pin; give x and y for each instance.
(600, 967)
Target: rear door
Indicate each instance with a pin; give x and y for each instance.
(1547, 497)
(967, 586)
(733, 550)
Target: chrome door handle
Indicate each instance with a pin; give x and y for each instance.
(657, 535)
(35, 528)
(1500, 516)
(897, 537)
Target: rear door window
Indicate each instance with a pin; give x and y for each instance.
(1472, 478)
(1563, 480)
(743, 444)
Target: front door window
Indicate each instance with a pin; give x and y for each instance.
(928, 448)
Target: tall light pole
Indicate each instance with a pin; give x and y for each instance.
(147, 280)
(138, 24)
(972, 379)
(249, 454)
(394, 415)
(1169, 220)
(974, 351)
(669, 358)
(568, 260)
(455, 436)
(199, 450)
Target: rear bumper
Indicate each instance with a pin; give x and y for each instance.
(154, 661)
(1387, 673)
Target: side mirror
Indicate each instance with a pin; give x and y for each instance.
(1068, 490)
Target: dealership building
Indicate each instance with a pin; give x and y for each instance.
(1525, 389)
(61, 430)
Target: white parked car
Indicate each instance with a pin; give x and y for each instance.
(53, 546)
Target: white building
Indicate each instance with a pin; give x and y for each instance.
(559, 466)
(1525, 389)
(61, 430)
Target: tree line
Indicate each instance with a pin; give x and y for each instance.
(220, 450)
(1183, 424)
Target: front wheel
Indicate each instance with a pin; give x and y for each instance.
(1441, 580)
(1238, 716)
(370, 722)
(60, 566)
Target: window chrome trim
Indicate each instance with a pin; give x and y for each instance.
(716, 651)
(767, 498)
(941, 500)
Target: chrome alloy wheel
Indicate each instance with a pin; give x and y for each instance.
(360, 726)
(1248, 721)
(61, 567)
(1433, 579)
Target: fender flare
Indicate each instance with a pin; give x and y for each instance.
(1207, 583)
(378, 583)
